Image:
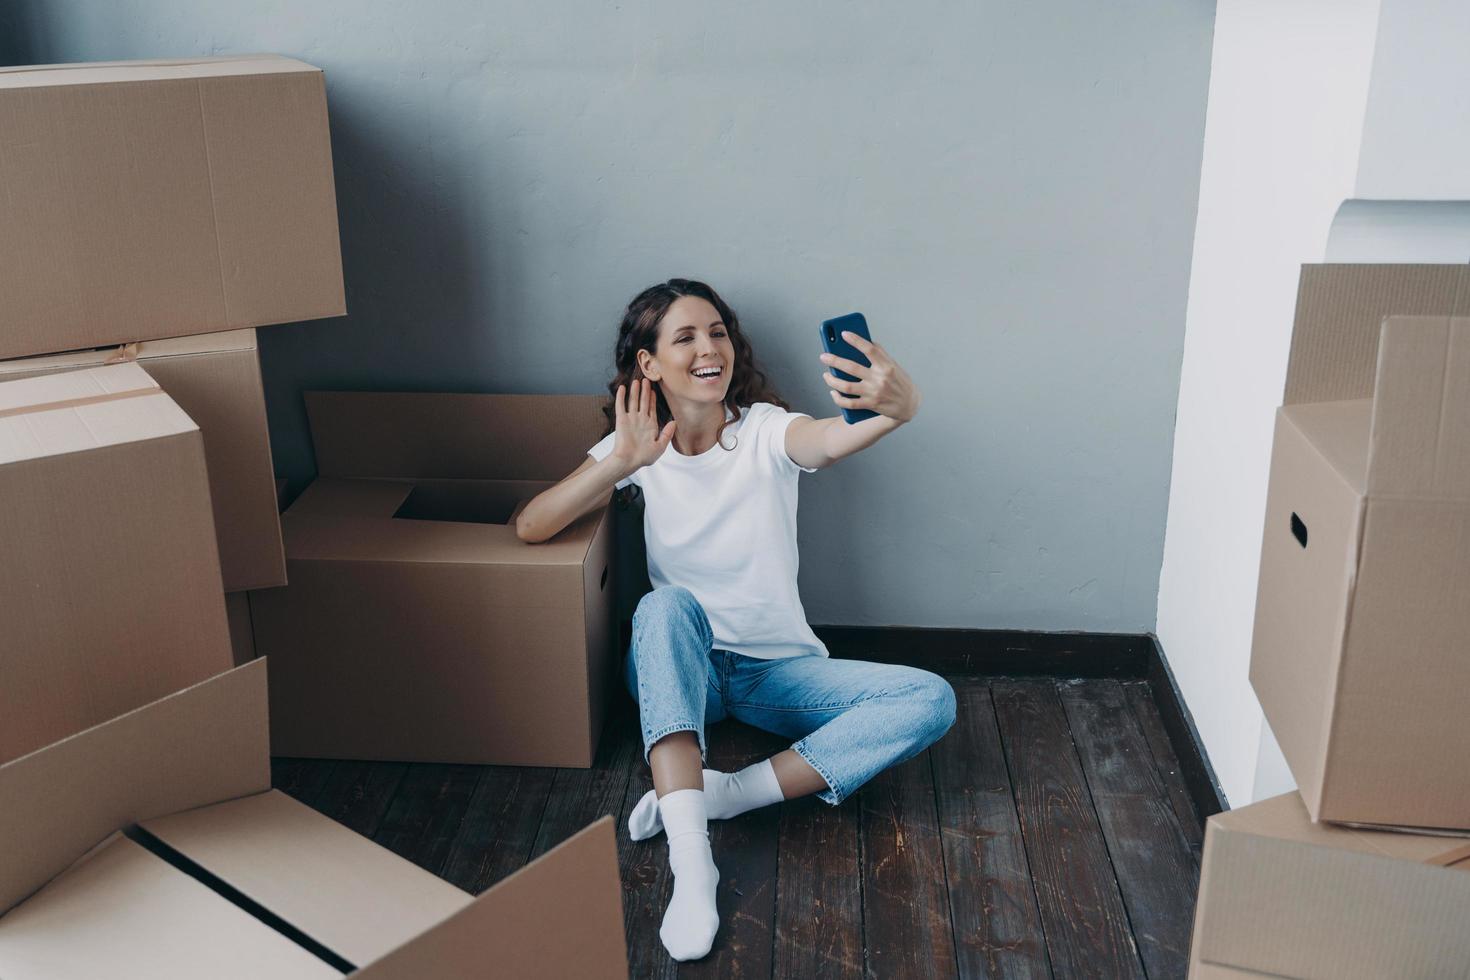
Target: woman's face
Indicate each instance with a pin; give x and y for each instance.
(694, 356)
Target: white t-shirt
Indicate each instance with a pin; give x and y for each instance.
(723, 525)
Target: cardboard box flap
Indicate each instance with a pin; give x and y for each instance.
(452, 436)
(1285, 818)
(111, 72)
(1421, 411)
(521, 924)
(1339, 311)
(1339, 431)
(352, 896)
(204, 343)
(124, 912)
(380, 520)
(431, 542)
(206, 743)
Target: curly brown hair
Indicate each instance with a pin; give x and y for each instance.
(639, 331)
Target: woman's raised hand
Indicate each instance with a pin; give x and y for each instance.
(638, 441)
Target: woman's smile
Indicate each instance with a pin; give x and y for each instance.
(709, 374)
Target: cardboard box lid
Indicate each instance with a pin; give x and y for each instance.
(352, 896)
(209, 743)
(150, 70)
(206, 743)
(352, 520)
(1420, 444)
(123, 912)
(575, 884)
(105, 406)
(452, 436)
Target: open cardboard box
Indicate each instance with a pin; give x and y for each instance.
(109, 580)
(1282, 896)
(152, 846)
(417, 626)
(215, 379)
(1362, 624)
(151, 199)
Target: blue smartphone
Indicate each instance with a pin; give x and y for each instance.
(833, 343)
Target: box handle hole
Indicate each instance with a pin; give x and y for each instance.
(603, 585)
(1299, 530)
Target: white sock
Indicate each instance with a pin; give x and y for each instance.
(691, 920)
(726, 795)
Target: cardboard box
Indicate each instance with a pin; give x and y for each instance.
(152, 199)
(1362, 624)
(1285, 897)
(109, 581)
(223, 877)
(215, 379)
(417, 626)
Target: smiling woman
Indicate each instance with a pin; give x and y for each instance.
(694, 423)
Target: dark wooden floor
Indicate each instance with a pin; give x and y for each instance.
(1048, 834)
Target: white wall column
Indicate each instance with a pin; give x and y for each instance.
(1288, 88)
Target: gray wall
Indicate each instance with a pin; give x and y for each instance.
(1007, 190)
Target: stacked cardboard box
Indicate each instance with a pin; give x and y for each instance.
(151, 215)
(110, 579)
(144, 208)
(157, 199)
(1282, 896)
(417, 625)
(215, 379)
(1359, 652)
(1362, 624)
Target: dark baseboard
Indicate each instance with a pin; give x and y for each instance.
(1008, 653)
(1194, 763)
(1022, 653)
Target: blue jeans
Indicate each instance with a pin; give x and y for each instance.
(852, 719)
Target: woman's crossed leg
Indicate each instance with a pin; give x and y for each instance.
(851, 720)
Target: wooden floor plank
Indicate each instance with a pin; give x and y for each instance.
(819, 914)
(426, 812)
(938, 868)
(997, 923)
(499, 827)
(358, 793)
(1140, 698)
(302, 779)
(906, 921)
(1155, 869)
(580, 796)
(745, 852)
(1087, 929)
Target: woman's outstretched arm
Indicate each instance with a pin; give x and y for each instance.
(885, 388)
